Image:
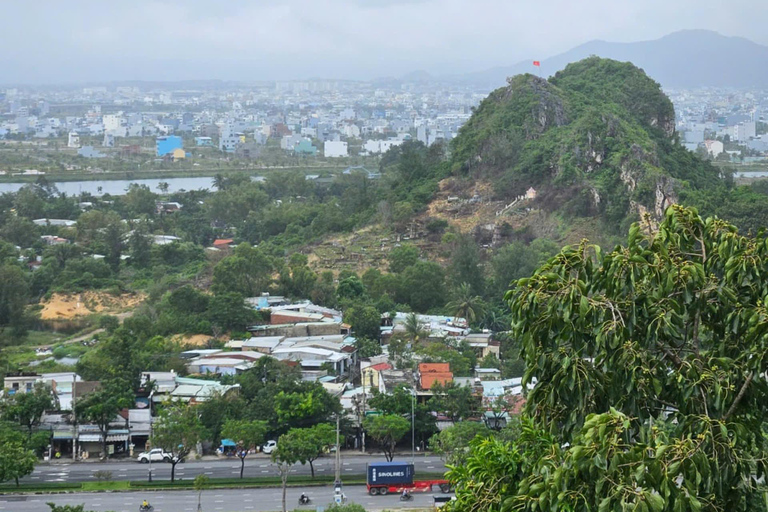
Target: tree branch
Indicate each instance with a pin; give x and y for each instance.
(741, 394)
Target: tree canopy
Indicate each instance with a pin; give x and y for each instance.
(649, 364)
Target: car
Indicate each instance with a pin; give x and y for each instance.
(269, 447)
(154, 455)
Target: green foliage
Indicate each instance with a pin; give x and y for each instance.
(647, 361)
(453, 443)
(101, 407)
(27, 408)
(248, 272)
(247, 434)
(305, 407)
(402, 257)
(387, 430)
(466, 305)
(454, 401)
(307, 444)
(16, 459)
(399, 402)
(365, 321)
(177, 430)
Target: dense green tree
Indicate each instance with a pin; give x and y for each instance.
(16, 460)
(465, 267)
(647, 361)
(517, 260)
(14, 296)
(101, 407)
(466, 304)
(454, 401)
(365, 320)
(27, 408)
(177, 430)
(423, 286)
(350, 289)
(306, 406)
(19, 231)
(308, 444)
(229, 311)
(387, 430)
(399, 401)
(141, 248)
(452, 443)
(139, 200)
(248, 435)
(248, 271)
(402, 257)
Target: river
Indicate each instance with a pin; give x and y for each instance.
(118, 187)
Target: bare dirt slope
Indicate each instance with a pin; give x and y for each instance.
(63, 306)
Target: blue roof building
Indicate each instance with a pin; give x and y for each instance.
(167, 144)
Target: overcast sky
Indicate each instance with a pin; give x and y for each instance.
(83, 40)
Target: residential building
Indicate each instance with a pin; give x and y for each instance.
(167, 144)
(335, 149)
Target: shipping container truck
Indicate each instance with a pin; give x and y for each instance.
(393, 477)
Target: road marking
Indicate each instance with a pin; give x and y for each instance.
(265, 471)
(430, 467)
(209, 472)
(207, 467)
(218, 496)
(345, 463)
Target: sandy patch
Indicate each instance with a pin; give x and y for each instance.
(63, 306)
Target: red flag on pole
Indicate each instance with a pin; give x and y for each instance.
(537, 63)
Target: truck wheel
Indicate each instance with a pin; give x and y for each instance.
(446, 488)
(374, 491)
(383, 491)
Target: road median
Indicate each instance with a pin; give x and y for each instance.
(184, 484)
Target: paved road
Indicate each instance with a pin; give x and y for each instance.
(243, 500)
(255, 466)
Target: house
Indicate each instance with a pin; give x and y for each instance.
(434, 373)
(54, 222)
(176, 155)
(483, 344)
(300, 329)
(265, 300)
(487, 373)
(20, 382)
(391, 379)
(280, 317)
(223, 243)
(305, 147)
(203, 142)
(53, 240)
(167, 144)
(371, 374)
(530, 193)
(335, 149)
(248, 150)
(200, 390)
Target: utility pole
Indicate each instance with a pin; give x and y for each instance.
(362, 417)
(413, 427)
(338, 454)
(74, 418)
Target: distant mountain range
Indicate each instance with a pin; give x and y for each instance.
(687, 59)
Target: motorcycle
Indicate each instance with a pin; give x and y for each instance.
(406, 497)
(304, 500)
(148, 508)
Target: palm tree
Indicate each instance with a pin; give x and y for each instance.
(413, 327)
(466, 305)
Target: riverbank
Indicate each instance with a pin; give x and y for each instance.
(208, 172)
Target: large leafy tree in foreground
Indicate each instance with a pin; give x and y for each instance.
(650, 364)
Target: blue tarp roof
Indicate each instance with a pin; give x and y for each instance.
(227, 442)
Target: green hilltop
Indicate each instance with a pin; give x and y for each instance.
(596, 140)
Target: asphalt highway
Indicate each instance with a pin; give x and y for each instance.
(255, 466)
(231, 500)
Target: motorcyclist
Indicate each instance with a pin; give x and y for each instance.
(405, 494)
(304, 498)
(145, 505)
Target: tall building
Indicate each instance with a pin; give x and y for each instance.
(73, 141)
